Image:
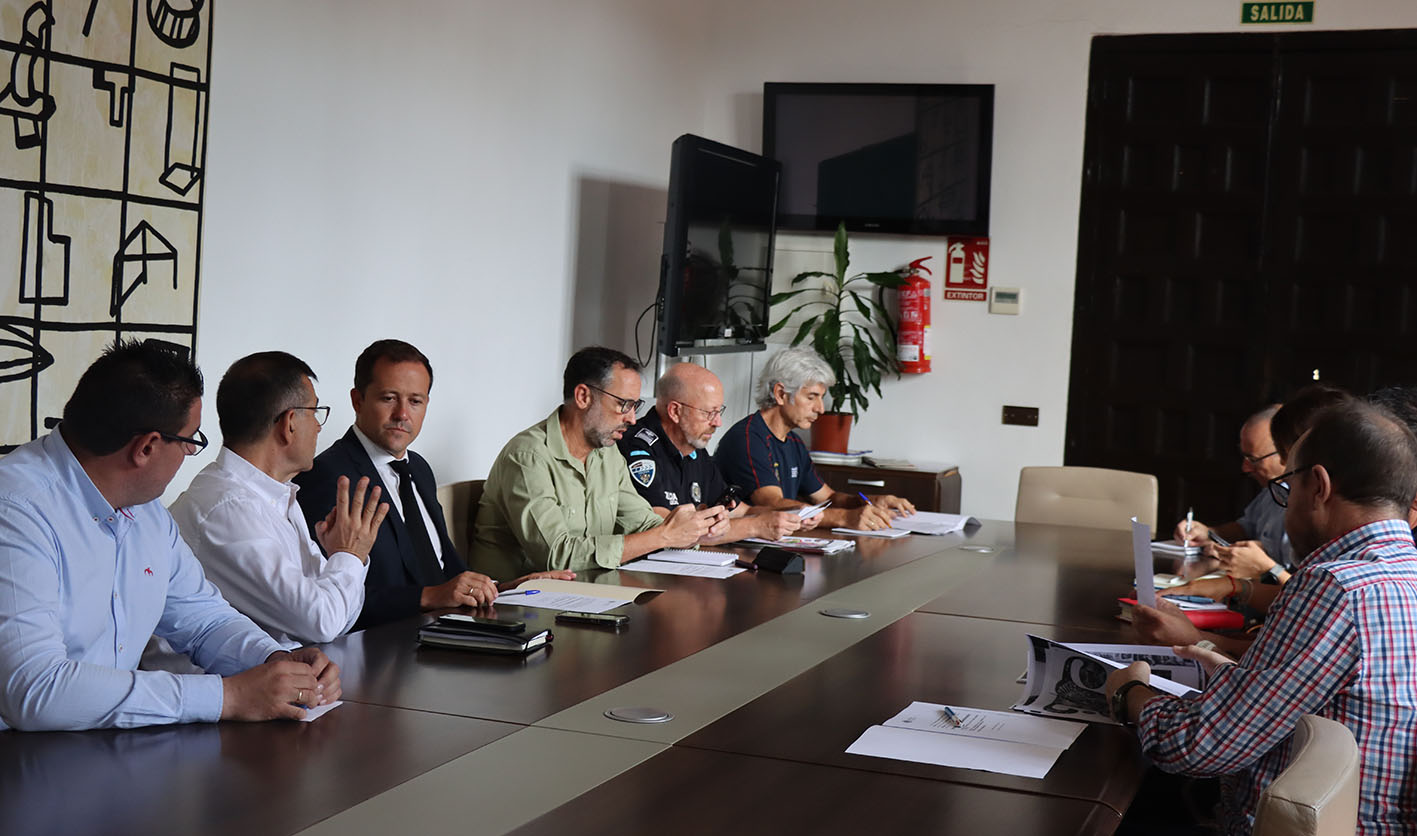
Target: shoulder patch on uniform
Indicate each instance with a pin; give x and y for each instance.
(639, 452)
(647, 435)
(642, 472)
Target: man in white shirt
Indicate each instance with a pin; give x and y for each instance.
(241, 518)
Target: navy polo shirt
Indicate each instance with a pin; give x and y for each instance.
(663, 476)
(751, 457)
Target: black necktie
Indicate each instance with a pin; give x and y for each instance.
(413, 521)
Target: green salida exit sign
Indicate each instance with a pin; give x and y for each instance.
(1277, 12)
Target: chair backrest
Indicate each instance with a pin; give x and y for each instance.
(459, 501)
(1317, 793)
(1088, 496)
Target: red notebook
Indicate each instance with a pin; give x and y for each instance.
(1203, 619)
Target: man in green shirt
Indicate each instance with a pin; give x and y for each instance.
(559, 495)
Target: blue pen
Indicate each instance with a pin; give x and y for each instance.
(864, 498)
(520, 592)
(950, 716)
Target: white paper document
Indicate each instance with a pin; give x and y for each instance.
(811, 545)
(990, 740)
(1173, 548)
(702, 557)
(812, 510)
(887, 533)
(548, 600)
(1068, 681)
(933, 522)
(1141, 555)
(313, 714)
(664, 567)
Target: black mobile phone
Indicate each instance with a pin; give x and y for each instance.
(598, 619)
(501, 625)
(1218, 540)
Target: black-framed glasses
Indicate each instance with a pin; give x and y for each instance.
(626, 405)
(321, 413)
(711, 413)
(1257, 459)
(192, 446)
(1279, 488)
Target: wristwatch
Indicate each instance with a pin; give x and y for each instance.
(1271, 575)
(1119, 701)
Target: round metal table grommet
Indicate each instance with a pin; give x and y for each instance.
(639, 714)
(843, 612)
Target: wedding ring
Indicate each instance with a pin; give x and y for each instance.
(300, 696)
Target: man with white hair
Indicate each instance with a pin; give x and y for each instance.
(763, 454)
(669, 466)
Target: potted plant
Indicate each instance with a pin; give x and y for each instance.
(849, 326)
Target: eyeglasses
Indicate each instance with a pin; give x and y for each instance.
(711, 413)
(321, 413)
(193, 446)
(1257, 459)
(626, 406)
(1279, 488)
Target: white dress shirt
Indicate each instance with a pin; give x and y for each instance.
(249, 534)
(381, 458)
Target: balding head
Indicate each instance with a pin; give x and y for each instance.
(689, 400)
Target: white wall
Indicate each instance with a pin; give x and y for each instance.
(448, 172)
(486, 180)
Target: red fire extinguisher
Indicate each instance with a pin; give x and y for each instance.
(913, 346)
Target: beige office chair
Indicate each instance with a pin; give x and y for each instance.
(459, 501)
(1086, 496)
(1317, 793)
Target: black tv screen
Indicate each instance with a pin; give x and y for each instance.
(716, 270)
(903, 158)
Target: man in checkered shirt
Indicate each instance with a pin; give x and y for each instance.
(1340, 641)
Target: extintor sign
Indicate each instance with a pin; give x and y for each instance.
(966, 268)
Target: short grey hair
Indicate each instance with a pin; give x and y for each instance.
(793, 368)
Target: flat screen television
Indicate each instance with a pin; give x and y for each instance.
(901, 158)
(716, 271)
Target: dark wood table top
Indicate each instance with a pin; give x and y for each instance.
(693, 791)
(1048, 574)
(222, 778)
(383, 665)
(932, 658)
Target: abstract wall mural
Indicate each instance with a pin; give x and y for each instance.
(103, 110)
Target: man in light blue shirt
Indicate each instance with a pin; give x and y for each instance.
(91, 565)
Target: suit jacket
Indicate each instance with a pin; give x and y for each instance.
(396, 579)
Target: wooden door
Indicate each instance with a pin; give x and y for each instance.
(1247, 217)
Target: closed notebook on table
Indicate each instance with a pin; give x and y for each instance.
(1203, 619)
(482, 641)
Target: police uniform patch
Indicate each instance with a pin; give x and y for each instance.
(639, 453)
(648, 436)
(642, 471)
(697, 493)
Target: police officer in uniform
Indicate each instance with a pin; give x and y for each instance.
(669, 465)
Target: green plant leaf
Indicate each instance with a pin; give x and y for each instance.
(861, 305)
(801, 332)
(787, 294)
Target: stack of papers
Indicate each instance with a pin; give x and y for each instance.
(1067, 680)
(811, 545)
(812, 510)
(993, 741)
(702, 557)
(931, 522)
(1173, 548)
(888, 533)
(666, 567)
(577, 596)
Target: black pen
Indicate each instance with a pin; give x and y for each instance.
(745, 564)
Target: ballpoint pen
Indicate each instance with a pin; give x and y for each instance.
(1190, 518)
(864, 498)
(951, 717)
(520, 592)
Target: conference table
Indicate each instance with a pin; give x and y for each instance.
(765, 692)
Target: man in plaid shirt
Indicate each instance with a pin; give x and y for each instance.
(1340, 641)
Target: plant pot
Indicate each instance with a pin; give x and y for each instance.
(831, 432)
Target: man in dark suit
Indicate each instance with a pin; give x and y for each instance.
(414, 565)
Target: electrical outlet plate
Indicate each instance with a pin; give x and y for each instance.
(1022, 416)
